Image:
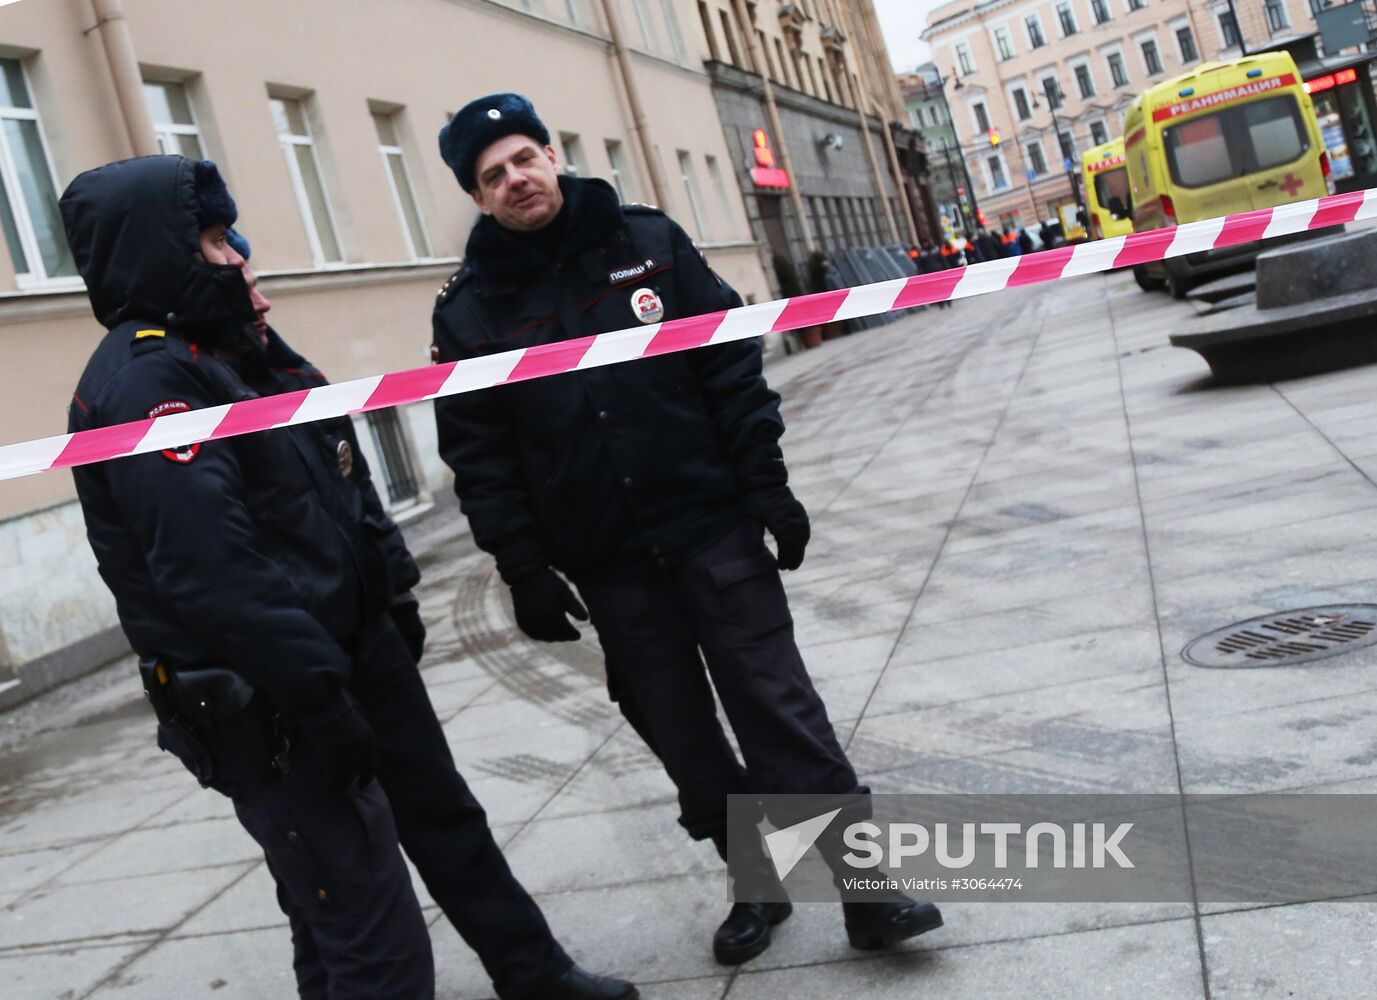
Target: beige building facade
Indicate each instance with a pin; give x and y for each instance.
(323, 117)
(1034, 83)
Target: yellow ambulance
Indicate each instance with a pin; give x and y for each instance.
(1228, 137)
(1106, 190)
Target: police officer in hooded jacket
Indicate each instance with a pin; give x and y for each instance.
(645, 483)
(252, 575)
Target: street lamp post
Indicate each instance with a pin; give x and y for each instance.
(1068, 160)
(946, 153)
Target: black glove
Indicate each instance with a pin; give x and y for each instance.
(406, 615)
(784, 516)
(541, 602)
(346, 747)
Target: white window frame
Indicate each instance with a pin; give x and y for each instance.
(1116, 50)
(998, 31)
(36, 276)
(1016, 85)
(1075, 21)
(164, 131)
(1042, 76)
(1133, 5)
(303, 201)
(1285, 17)
(719, 188)
(622, 177)
(1090, 130)
(1028, 159)
(985, 158)
(1149, 36)
(692, 192)
(976, 130)
(1174, 26)
(1042, 30)
(959, 50)
(1219, 14)
(1108, 10)
(384, 150)
(1072, 65)
(569, 161)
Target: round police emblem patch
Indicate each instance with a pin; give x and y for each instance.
(647, 305)
(345, 454)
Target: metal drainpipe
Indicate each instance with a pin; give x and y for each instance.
(859, 91)
(633, 99)
(124, 68)
(867, 95)
(762, 69)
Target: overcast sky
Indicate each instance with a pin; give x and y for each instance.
(903, 21)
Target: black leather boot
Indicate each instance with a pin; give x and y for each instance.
(880, 925)
(578, 984)
(746, 931)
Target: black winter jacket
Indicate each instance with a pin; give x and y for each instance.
(613, 470)
(277, 369)
(227, 552)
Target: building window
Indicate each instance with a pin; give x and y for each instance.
(573, 153)
(1068, 147)
(1151, 59)
(964, 63)
(1099, 133)
(403, 195)
(1228, 28)
(783, 65)
(695, 200)
(1276, 15)
(294, 133)
(1083, 81)
(982, 117)
(577, 14)
(621, 173)
(1117, 71)
(1186, 43)
(719, 190)
(1100, 8)
(708, 33)
(826, 84)
(676, 37)
(1021, 107)
(1036, 39)
(1003, 44)
(28, 210)
(648, 37)
(997, 179)
(399, 474)
(769, 66)
(1052, 91)
(1037, 162)
(730, 36)
(173, 123)
(1067, 17)
(1136, 5)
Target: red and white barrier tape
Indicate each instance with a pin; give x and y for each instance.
(417, 384)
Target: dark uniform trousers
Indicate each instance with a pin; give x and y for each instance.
(357, 928)
(729, 602)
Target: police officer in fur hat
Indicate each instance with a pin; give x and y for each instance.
(648, 485)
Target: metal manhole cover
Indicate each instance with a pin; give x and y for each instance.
(1287, 637)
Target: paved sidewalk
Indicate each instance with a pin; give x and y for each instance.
(1024, 508)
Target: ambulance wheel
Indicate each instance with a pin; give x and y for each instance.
(1146, 281)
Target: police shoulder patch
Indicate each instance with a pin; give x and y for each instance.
(186, 453)
(453, 284)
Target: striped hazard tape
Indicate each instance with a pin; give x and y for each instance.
(414, 385)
